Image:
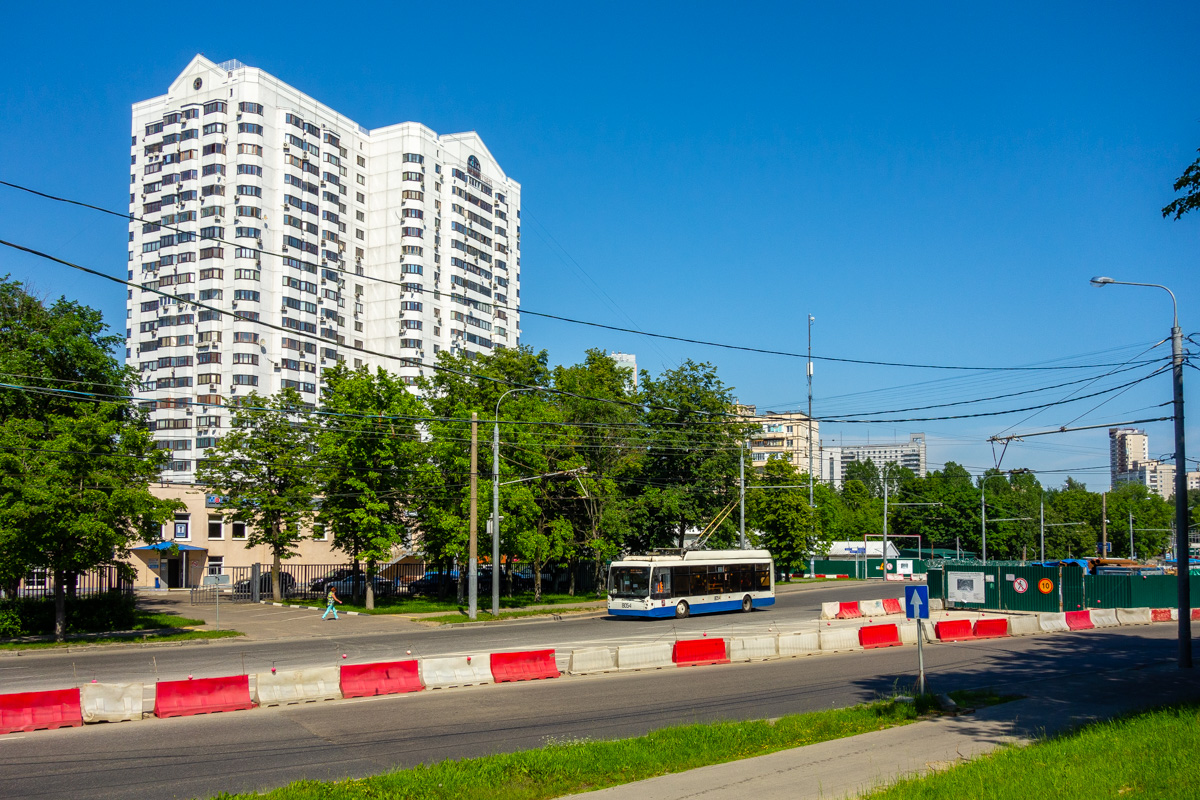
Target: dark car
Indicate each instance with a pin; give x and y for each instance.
(287, 584)
(319, 584)
(431, 582)
(349, 586)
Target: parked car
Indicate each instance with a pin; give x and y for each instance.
(318, 584)
(350, 586)
(286, 583)
(431, 582)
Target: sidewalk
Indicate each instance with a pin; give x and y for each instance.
(856, 765)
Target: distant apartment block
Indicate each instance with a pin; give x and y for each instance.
(781, 435)
(1129, 462)
(627, 360)
(835, 458)
(375, 247)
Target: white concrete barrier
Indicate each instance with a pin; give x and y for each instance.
(753, 648)
(1174, 615)
(1053, 622)
(936, 604)
(288, 686)
(585, 660)
(839, 639)
(1105, 617)
(442, 673)
(830, 610)
(799, 644)
(1134, 616)
(111, 702)
(655, 655)
(871, 608)
(1023, 625)
(909, 631)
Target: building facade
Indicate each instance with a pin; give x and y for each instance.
(835, 458)
(1129, 462)
(305, 239)
(781, 435)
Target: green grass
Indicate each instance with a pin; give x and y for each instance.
(486, 616)
(427, 605)
(576, 765)
(1147, 755)
(81, 642)
(149, 620)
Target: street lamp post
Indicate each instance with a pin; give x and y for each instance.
(496, 501)
(1183, 561)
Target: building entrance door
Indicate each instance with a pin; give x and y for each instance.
(174, 573)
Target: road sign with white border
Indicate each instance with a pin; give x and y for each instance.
(916, 602)
(1020, 586)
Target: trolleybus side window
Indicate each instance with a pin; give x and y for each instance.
(661, 583)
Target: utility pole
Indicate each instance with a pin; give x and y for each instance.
(1104, 524)
(1131, 553)
(811, 318)
(1042, 525)
(885, 516)
(473, 556)
(742, 499)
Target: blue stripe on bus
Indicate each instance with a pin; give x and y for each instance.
(696, 608)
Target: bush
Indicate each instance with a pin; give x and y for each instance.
(10, 623)
(109, 611)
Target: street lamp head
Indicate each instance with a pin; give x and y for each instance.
(1101, 280)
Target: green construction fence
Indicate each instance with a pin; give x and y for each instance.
(1016, 587)
(862, 568)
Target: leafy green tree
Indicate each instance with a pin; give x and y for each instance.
(953, 523)
(689, 472)
(1151, 517)
(866, 473)
(1066, 509)
(74, 474)
(372, 464)
(476, 383)
(786, 524)
(600, 513)
(265, 468)
(1189, 184)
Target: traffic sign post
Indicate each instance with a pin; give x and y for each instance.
(916, 606)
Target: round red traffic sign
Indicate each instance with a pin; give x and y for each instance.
(1045, 586)
(1020, 586)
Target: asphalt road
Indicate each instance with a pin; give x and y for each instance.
(40, 670)
(259, 749)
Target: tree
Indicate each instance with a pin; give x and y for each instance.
(599, 515)
(1189, 183)
(866, 473)
(74, 473)
(690, 467)
(372, 463)
(786, 524)
(266, 471)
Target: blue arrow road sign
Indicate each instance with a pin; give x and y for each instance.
(916, 602)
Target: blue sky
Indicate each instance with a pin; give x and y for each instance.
(935, 183)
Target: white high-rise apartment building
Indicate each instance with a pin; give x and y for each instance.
(835, 459)
(379, 247)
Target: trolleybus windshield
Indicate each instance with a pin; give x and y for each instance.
(629, 581)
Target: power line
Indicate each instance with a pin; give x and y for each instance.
(619, 329)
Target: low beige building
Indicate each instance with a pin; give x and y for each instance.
(210, 543)
(781, 435)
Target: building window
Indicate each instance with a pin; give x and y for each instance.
(250, 127)
(181, 526)
(250, 108)
(216, 564)
(216, 528)
(319, 534)
(237, 530)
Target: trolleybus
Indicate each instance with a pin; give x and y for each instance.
(691, 582)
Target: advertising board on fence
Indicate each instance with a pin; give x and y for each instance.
(964, 587)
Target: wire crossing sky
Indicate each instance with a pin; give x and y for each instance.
(934, 184)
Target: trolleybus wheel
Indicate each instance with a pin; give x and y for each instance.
(681, 609)
(747, 603)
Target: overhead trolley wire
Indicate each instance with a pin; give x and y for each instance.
(519, 310)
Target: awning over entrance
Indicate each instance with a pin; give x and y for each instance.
(168, 545)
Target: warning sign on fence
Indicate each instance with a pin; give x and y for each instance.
(1045, 586)
(1020, 586)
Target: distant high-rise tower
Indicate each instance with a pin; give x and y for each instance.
(626, 360)
(262, 202)
(1128, 449)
